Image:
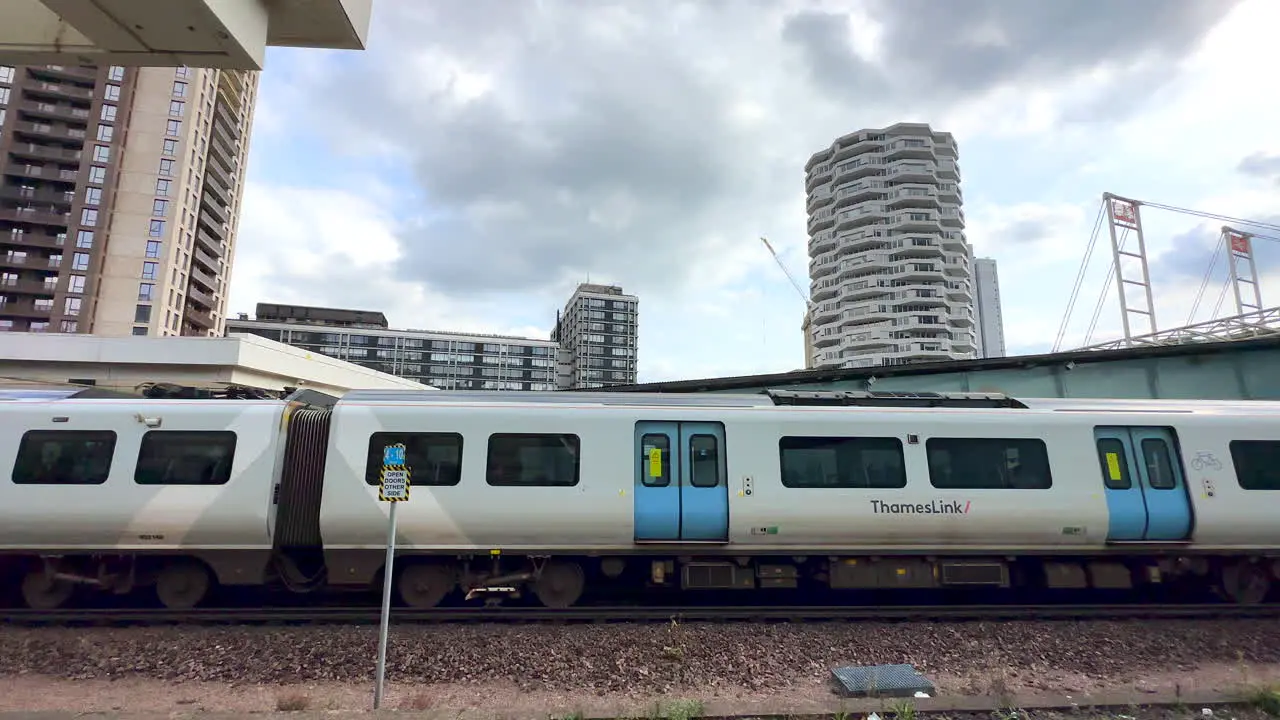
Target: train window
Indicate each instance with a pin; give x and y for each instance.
(704, 463)
(433, 458)
(64, 457)
(533, 460)
(1155, 453)
(185, 457)
(1257, 464)
(988, 464)
(842, 462)
(650, 443)
(1115, 468)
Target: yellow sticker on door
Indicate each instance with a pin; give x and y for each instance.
(655, 462)
(1113, 465)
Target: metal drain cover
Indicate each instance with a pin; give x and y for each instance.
(881, 680)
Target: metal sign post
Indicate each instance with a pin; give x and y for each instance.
(393, 487)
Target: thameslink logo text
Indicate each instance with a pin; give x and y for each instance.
(937, 507)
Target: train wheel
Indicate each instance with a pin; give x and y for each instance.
(1246, 583)
(182, 585)
(42, 592)
(560, 584)
(424, 585)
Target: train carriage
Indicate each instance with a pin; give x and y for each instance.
(555, 493)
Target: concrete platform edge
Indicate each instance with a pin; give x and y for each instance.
(851, 708)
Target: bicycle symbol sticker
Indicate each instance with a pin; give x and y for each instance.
(1204, 460)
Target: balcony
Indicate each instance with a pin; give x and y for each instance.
(207, 280)
(26, 286)
(69, 72)
(44, 152)
(55, 197)
(35, 217)
(60, 90)
(24, 308)
(43, 130)
(202, 300)
(199, 319)
(58, 111)
(33, 240)
(209, 246)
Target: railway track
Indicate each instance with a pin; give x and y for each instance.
(365, 615)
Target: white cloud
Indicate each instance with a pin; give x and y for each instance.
(504, 130)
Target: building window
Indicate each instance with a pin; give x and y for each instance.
(101, 153)
(166, 167)
(149, 270)
(76, 285)
(84, 239)
(140, 331)
(113, 92)
(71, 306)
(64, 457)
(97, 174)
(68, 326)
(106, 132)
(153, 248)
(432, 458)
(115, 73)
(146, 291)
(185, 457)
(162, 187)
(4, 96)
(182, 72)
(174, 128)
(157, 228)
(89, 217)
(6, 74)
(93, 196)
(108, 113)
(176, 107)
(80, 261)
(988, 464)
(159, 207)
(170, 147)
(142, 314)
(179, 88)
(533, 460)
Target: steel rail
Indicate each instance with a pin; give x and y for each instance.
(364, 615)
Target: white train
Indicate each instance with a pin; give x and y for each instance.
(555, 492)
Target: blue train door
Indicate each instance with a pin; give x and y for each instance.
(1147, 496)
(681, 482)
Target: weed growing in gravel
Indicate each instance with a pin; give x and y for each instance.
(682, 709)
(1267, 700)
(903, 710)
(292, 702)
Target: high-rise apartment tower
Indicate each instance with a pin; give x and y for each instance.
(597, 334)
(119, 196)
(889, 266)
(986, 284)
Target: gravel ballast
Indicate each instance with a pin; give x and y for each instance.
(647, 658)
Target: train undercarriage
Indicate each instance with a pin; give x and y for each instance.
(559, 581)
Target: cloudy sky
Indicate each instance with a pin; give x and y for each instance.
(484, 156)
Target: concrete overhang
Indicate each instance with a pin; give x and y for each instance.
(226, 34)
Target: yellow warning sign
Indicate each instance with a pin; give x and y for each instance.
(1113, 465)
(655, 462)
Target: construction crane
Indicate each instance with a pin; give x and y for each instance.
(808, 304)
